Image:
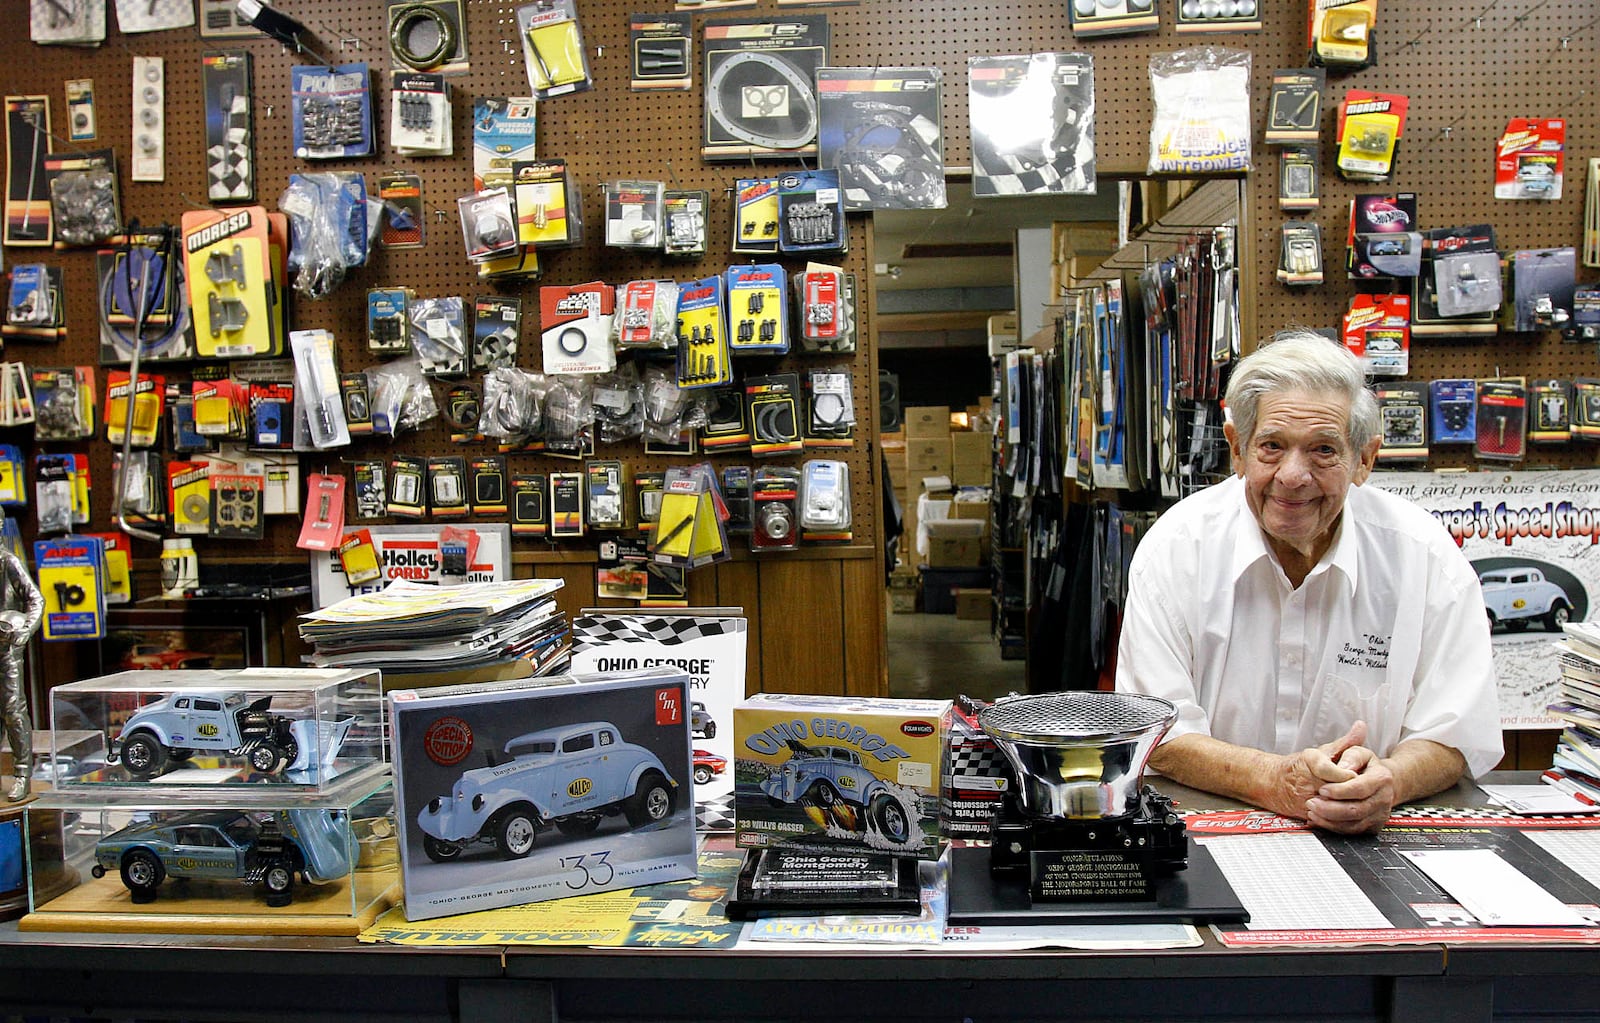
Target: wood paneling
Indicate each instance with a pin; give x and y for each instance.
(802, 627)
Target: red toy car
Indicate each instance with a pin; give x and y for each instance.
(707, 766)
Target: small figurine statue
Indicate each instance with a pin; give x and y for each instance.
(21, 607)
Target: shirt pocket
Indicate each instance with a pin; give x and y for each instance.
(1343, 699)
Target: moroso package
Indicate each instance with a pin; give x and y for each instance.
(541, 788)
(838, 773)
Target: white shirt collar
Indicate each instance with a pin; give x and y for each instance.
(1251, 544)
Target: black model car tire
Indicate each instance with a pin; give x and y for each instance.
(440, 851)
(651, 802)
(278, 880)
(143, 755)
(575, 827)
(266, 758)
(142, 872)
(1557, 616)
(711, 730)
(890, 818)
(824, 794)
(515, 834)
(702, 776)
(1518, 624)
(179, 755)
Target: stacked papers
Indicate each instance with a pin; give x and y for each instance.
(410, 627)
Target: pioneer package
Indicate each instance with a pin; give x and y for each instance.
(408, 487)
(880, 130)
(496, 328)
(1052, 94)
(331, 111)
(774, 509)
(488, 485)
(760, 93)
(530, 506)
(773, 407)
(230, 131)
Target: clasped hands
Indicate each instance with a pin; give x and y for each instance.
(1339, 786)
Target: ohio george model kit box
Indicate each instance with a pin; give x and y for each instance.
(538, 789)
(836, 772)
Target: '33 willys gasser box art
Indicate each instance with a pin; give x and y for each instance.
(538, 789)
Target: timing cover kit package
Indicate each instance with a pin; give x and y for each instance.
(760, 92)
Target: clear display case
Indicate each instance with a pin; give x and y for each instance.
(291, 727)
(282, 861)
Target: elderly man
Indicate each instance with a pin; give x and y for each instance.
(1325, 642)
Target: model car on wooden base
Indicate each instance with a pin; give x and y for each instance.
(569, 778)
(267, 848)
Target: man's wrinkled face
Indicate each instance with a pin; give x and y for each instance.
(1298, 467)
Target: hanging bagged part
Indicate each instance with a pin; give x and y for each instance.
(327, 229)
(1202, 111)
(512, 405)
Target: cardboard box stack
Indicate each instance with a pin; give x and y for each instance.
(1078, 248)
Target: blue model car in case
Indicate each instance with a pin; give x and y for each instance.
(569, 777)
(267, 848)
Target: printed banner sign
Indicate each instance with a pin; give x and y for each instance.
(1534, 539)
(412, 552)
(708, 644)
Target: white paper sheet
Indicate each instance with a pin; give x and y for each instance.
(1492, 890)
(1291, 882)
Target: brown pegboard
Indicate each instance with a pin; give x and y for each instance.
(1465, 75)
(605, 134)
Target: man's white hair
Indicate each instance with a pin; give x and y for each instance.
(1299, 360)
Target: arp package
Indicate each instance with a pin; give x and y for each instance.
(535, 789)
(839, 773)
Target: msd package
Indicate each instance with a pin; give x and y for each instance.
(838, 773)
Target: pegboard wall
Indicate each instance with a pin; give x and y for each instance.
(1466, 67)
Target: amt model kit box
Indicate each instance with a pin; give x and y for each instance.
(535, 789)
(836, 772)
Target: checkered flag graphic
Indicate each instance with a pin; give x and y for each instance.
(667, 629)
(228, 162)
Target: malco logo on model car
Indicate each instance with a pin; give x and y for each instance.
(579, 787)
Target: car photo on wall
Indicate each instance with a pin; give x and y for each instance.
(1519, 596)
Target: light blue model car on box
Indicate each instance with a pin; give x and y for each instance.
(257, 848)
(570, 777)
(832, 779)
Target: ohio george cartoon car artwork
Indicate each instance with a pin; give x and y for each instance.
(267, 848)
(1518, 595)
(177, 726)
(831, 781)
(569, 777)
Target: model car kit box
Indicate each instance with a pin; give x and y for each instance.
(534, 789)
(240, 859)
(838, 772)
(279, 726)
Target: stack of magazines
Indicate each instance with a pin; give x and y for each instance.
(1576, 768)
(414, 627)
